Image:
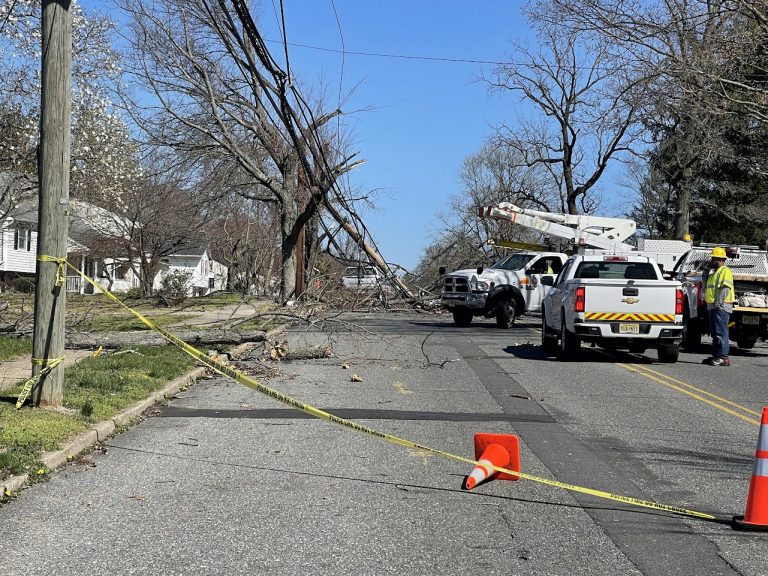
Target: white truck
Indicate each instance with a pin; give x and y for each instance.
(618, 302)
(508, 288)
(749, 320)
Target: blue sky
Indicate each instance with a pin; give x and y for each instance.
(422, 117)
(415, 117)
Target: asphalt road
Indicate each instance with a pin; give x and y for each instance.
(224, 480)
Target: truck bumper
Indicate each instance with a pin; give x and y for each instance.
(471, 301)
(619, 331)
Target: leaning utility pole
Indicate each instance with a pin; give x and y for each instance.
(52, 220)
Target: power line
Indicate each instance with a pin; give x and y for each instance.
(397, 56)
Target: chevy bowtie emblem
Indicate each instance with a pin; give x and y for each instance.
(631, 300)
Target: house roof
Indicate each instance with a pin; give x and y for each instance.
(189, 251)
(88, 224)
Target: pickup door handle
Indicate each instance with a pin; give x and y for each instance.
(630, 292)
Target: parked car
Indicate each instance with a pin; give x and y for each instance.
(362, 278)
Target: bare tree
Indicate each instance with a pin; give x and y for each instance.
(219, 92)
(578, 107)
(702, 59)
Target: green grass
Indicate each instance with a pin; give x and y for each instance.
(95, 389)
(128, 322)
(11, 347)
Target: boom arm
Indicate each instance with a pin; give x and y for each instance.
(595, 231)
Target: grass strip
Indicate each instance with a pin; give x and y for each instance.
(95, 389)
(11, 347)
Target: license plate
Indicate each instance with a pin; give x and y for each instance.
(629, 328)
(750, 319)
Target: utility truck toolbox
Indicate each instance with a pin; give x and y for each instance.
(618, 302)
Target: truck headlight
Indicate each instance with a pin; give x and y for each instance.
(477, 285)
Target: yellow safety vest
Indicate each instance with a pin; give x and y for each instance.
(722, 277)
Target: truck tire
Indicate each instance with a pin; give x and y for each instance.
(462, 318)
(668, 353)
(548, 339)
(505, 314)
(691, 332)
(569, 345)
(747, 342)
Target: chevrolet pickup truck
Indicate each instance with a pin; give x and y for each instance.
(619, 302)
(510, 287)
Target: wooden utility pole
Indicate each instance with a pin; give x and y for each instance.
(53, 178)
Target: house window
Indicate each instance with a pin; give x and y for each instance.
(121, 271)
(211, 283)
(22, 239)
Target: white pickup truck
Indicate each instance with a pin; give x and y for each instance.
(508, 288)
(619, 302)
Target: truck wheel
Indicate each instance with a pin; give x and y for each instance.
(570, 344)
(505, 314)
(462, 318)
(548, 340)
(747, 342)
(668, 353)
(691, 332)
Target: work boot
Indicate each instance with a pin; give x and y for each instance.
(720, 362)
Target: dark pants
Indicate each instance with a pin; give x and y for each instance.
(718, 327)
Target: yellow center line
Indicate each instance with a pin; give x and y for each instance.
(665, 382)
(715, 396)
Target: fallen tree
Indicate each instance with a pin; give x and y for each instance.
(90, 340)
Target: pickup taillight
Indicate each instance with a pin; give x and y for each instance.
(579, 303)
(679, 301)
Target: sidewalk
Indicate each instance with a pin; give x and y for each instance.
(20, 369)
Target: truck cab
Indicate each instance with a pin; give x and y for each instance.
(510, 287)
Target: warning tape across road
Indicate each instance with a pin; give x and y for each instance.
(246, 380)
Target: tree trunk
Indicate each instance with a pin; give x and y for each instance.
(90, 340)
(288, 252)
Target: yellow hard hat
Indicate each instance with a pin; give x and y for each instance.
(718, 253)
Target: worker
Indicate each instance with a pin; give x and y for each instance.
(719, 295)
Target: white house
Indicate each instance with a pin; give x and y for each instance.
(206, 275)
(89, 227)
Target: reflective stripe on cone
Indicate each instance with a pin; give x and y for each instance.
(756, 516)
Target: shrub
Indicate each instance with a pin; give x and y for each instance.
(23, 284)
(175, 287)
(134, 294)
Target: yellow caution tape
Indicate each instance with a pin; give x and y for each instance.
(246, 380)
(61, 270)
(49, 364)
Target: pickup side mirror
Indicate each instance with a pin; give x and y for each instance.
(480, 269)
(441, 270)
(547, 280)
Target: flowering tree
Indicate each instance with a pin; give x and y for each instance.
(103, 158)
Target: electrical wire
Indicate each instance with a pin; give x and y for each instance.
(395, 56)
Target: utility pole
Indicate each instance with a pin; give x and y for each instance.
(53, 199)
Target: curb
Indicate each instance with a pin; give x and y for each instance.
(100, 431)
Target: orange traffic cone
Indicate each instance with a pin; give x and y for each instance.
(499, 450)
(756, 516)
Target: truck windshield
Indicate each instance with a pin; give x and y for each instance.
(513, 262)
(617, 270)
